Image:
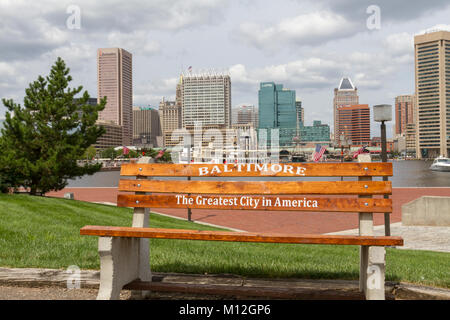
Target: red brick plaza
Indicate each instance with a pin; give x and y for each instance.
(271, 221)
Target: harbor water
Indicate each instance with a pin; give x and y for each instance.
(407, 173)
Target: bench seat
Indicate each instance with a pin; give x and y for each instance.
(158, 233)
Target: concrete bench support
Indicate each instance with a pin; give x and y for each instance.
(119, 265)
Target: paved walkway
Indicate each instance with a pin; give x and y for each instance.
(414, 237)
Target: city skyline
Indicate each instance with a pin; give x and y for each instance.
(310, 61)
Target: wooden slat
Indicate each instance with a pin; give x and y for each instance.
(157, 233)
(269, 203)
(335, 169)
(257, 187)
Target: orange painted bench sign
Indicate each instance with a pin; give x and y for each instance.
(262, 169)
(245, 201)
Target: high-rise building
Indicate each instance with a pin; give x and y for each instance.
(247, 114)
(300, 113)
(146, 126)
(345, 95)
(206, 99)
(170, 117)
(410, 137)
(277, 110)
(432, 56)
(114, 74)
(354, 123)
(404, 112)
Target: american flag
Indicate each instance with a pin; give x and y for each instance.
(318, 153)
(160, 154)
(360, 151)
(126, 150)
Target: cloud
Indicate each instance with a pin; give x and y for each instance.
(154, 91)
(31, 28)
(305, 29)
(391, 11)
(400, 43)
(136, 41)
(368, 70)
(438, 27)
(152, 15)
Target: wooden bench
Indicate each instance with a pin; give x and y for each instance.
(124, 251)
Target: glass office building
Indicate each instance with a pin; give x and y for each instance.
(277, 110)
(318, 132)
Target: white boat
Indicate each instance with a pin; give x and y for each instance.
(441, 164)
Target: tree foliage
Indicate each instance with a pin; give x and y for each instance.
(42, 140)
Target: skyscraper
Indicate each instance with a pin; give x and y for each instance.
(404, 112)
(432, 56)
(277, 109)
(206, 98)
(344, 96)
(170, 117)
(354, 123)
(300, 114)
(146, 126)
(114, 74)
(247, 115)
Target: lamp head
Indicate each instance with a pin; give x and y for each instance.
(382, 112)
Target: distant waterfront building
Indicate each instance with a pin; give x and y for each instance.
(114, 72)
(410, 137)
(170, 117)
(277, 110)
(111, 138)
(345, 95)
(146, 126)
(354, 123)
(404, 112)
(318, 132)
(206, 98)
(432, 79)
(300, 113)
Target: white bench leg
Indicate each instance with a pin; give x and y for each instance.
(372, 272)
(376, 271)
(119, 265)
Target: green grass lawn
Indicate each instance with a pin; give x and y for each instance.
(44, 233)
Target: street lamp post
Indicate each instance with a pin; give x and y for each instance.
(383, 113)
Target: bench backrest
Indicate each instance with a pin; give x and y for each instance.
(286, 186)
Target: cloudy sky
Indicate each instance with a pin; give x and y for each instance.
(307, 45)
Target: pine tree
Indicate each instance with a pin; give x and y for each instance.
(42, 140)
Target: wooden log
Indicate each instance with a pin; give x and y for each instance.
(267, 203)
(158, 233)
(258, 187)
(244, 291)
(252, 170)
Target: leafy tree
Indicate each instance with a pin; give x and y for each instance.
(109, 153)
(90, 153)
(42, 140)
